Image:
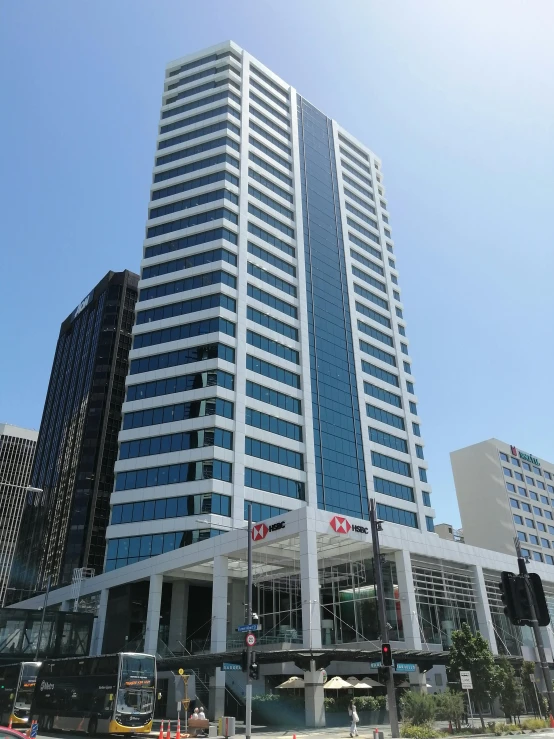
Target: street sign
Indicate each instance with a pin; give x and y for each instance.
(250, 627)
(179, 688)
(465, 679)
(405, 667)
(532, 679)
(375, 665)
(250, 640)
(229, 666)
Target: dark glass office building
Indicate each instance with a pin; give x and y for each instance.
(64, 522)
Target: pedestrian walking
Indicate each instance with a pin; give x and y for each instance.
(354, 719)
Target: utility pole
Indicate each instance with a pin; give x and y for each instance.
(391, 695)
(248, 721)
(536, 628)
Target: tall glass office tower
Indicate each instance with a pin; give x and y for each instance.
(270, 360)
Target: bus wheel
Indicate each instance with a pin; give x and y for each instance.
(92, 726)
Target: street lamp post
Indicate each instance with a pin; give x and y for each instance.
(44, 607)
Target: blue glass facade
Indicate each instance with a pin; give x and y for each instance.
(340, 470)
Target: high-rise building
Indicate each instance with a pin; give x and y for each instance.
(505, 493)
(17, 450)
(64, 521)
(270, 360)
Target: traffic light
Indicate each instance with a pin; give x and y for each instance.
(244, 660)
(254, 670)
(507, 589)
(386, 655)
(541, 609)
(516, 598)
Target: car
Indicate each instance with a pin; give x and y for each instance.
(7, 733)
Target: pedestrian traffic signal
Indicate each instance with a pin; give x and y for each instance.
(254, 671)
(244, 660)
(386, 655)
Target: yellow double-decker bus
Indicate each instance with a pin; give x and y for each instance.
(17, 686)
(108, 694)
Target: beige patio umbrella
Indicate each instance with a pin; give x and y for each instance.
(336, 683)
(292, 682)
(372, 683)
(358, 684)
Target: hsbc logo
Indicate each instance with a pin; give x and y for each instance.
(260, 530)
(341, 525)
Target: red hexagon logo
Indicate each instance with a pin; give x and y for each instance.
(340, 525)
(259, 531)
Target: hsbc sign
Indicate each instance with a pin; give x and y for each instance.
(261, 530)
(342, 525)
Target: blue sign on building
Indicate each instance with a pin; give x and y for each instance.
(228, 666)
(405, 667)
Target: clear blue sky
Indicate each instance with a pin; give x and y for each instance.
(455, 97)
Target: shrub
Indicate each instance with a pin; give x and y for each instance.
(450, 707)
(418, 708)
(419, 731)
(266, 698)
(532, 724)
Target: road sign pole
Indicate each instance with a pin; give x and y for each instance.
(391, 694)
(248, 719)
(470, 708)
(536, 629)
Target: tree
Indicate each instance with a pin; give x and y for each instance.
(529, 690)
(509, 689)
(471, 652)
(450, 707)
(417, 708)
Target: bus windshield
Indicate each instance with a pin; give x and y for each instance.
(137, 684)
(24, 696)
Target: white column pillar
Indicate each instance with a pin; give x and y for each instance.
(178, 616)
(408, 605)
(217, 695)
(100, 623)
(219, 605)
(153, 614)
(309, 583)
(484, 618)
(314, 705)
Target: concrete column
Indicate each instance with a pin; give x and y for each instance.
(408, 605)
(178, 615)
(216, 708)
(309, 583)
(99, 623)
(484, 618)
(314, 705)
(418, 681)
(153, 614)
(66, 605)
(219, 605)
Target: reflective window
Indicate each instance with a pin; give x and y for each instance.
(271, 279)
(536, 470)
(375, 333)
(430, 524)
(389, 440)
(510, 487)
(397, 515)
(273, 484)
(270, 258)
(526, 507)
(419, 452)
(273, 424)
(515, 461)
(416, 429)
(360, 274)
(261, 512)
(518, 519)
(176, 443)
(382, 374)
(533, 495)
(541, 526)
(507, 471)
(547, 475)
(391, 464)
(269, 153)
(410, 387)
(170, 474)
(369, 295)
(533, 539)
(269, 168)
(503, 457)
(370, 313)
(374, 351)
(518, 476)
(186, 307)
(185, 242)
(196, 260)
(548, 514)
(384, 395)
(178, 412)
(413, 408)
(180, 384)
(545, 543)
(182, 356)
(521, 536)
(530, 523)
(394, 489)
(199, 103)
(514, 503)
(263, 319)
(273, 397)
(544, 500)
(271, 370)
(540, 484)
(184, 285)
(407, 368)
(273, 453)
(385, 416)
(529, 480)
(272, 347)
(131, 549)
(194, 220)
(422, 474)
(187, 330)
(522, 491)
(426, 498)
(526, 466)
(537, 556)
(272, 301)
(188, 505)
(548, 559)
